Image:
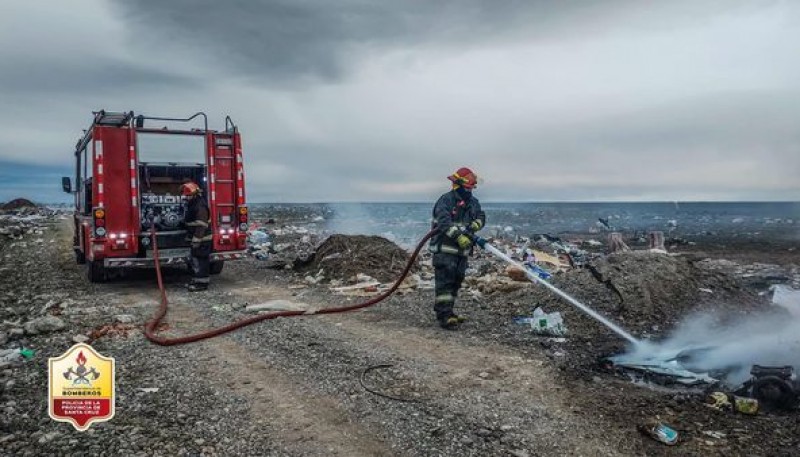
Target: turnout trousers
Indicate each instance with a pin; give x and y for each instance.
(200, 263)
(449, 271)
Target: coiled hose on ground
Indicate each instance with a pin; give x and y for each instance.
(152, 325)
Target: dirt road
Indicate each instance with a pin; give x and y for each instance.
(286, 387)
(292, 386)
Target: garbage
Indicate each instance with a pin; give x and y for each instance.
(551, 324)
(715, 434)
(12, 355)
(786, 297)
(655, 242)
(670, 370)
(722, 401)
(616, 244)
(276, 305)
(257, 237)
(745, 405)
(774, 387)
(661, 432)
(539, 271)
(718, 401)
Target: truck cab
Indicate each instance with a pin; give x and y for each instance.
(128, 172)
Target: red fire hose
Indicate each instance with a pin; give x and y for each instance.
(150, 327)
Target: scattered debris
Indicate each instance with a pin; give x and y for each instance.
(661, 432)
(655, 242)
(551, 324)
(616, 244)
(788, 298)
(774, 387)
(276, 305)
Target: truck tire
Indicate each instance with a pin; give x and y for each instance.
(216, 267)
(80, 257)
(95, 271)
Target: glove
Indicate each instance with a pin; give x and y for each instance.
(456, 229)
(475, 225)
(464, 242)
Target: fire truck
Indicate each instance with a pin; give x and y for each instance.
(128, 173)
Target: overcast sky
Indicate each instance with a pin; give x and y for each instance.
(372, 100)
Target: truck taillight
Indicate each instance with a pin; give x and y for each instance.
(99, 215)
(243, 215)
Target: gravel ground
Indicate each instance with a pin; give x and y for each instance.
(291, 386)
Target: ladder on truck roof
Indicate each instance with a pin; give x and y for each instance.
(115, 119)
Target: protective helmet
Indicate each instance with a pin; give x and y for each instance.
(189, 189)
(464, 177)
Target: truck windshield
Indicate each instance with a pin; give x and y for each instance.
(166, 148)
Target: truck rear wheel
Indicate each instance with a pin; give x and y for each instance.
(216, 267)
(80, 257)
(95, 271)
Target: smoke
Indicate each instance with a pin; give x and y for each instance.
(350, 219)
(702, 344)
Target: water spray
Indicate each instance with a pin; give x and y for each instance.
(536, 279)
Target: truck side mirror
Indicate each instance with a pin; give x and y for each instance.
(66, 184)
(139, 121)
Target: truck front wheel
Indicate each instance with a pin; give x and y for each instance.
(216, 267)
(95, 271)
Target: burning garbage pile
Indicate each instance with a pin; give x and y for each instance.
(755, 356)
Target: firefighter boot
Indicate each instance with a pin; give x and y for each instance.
(451, 323)
(197, 286)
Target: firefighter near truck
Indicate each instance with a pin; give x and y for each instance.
(129, 170)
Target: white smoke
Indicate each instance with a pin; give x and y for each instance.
(702, 344)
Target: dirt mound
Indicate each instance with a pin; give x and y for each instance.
(19, 203)
(344, 256)
(646, 293)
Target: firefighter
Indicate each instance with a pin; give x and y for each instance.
(198, 219)
(457, 216)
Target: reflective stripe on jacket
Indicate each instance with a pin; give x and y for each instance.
(451, 217)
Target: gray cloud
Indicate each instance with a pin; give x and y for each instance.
(358, 100)
(299, 42)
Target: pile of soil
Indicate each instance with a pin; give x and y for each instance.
(645, 293)
(19, 203)
(344, 256)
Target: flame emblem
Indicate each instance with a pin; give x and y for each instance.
(83, 376)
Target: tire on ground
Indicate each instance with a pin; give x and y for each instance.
(95, 271)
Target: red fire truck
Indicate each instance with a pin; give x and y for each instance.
(128, 177)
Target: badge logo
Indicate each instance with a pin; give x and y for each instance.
(81, 387)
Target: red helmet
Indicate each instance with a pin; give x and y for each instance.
(190, 188)
(464, 177)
